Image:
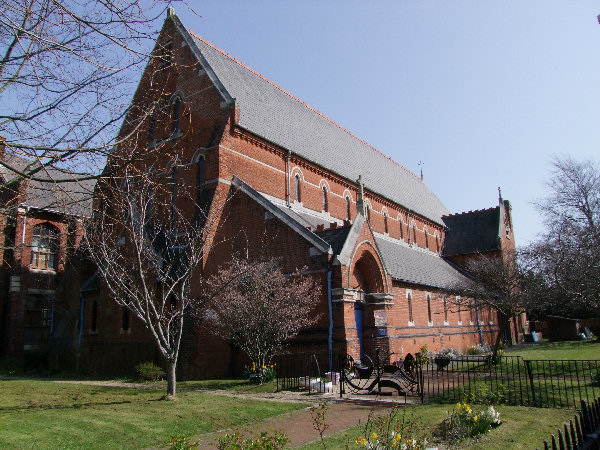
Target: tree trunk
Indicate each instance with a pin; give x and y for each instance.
(171, 378)
(504, 326)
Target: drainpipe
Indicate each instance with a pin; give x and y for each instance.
(52, 317)
(81, 305)
(24, 224)
(478, 325)
(330, 305)
(287, 175)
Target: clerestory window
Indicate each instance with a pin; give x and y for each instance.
(297, 186)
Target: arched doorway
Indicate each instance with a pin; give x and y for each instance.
(368, 282)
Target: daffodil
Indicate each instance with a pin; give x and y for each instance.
(373, 435)
(361, 440)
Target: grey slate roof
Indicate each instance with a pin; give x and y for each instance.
(71, 198)
(277, 116)
(334, 237)
(402, 262)
(407, 264)
(282, 213)
(473, 232)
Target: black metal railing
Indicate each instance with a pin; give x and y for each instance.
(582, 432)
(480, 379)
(510, 380)
(310, 371)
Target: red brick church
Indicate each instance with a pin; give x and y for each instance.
(383, 247)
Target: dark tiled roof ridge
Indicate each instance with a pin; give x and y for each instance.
(292, 96)
(475, 211)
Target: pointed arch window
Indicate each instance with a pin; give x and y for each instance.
(429, 315)
(347, 208)
(44, 246)
(414, 233)
(426, 231)
(325, 203)
(401, 226)
(94, 326)
(298, 196)
(445, 309)
(125, 319)
(176, 114)
(410, 308)
(385, 223)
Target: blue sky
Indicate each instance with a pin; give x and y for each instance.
(483, 92)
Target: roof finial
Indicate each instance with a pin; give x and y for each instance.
(499, 195)
(170, 12)
(421, 164)
(360, 199)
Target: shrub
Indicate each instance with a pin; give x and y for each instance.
(497, 358)
(478, 349)
(264, 441)
(259, 375)
(482, 395)
(148, 371)
(464, 422)
(422, 356)
(35, 361)
(443, 358)
(11, 365)
(393, 432)
(176, 442)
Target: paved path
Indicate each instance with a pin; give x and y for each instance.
(298, 425)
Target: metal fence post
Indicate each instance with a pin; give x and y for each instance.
(530, 374)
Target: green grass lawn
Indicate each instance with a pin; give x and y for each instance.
(522, 427)
(558, 350)
(48, 414)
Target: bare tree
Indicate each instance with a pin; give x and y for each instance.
(67, 73)
(147, 250)
(566, 259)
(495, 281)
(258, 308)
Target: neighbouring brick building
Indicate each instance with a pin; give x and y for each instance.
(303, 189)
(41, 232)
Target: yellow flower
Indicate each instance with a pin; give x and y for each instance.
(398, 437)
(373, 435)
(361, 440)
(264, 367)
(409, 442)
(475, 418)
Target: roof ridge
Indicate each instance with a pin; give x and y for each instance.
(292, 96)
(475, 211)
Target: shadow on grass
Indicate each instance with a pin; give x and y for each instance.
(35, 406)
